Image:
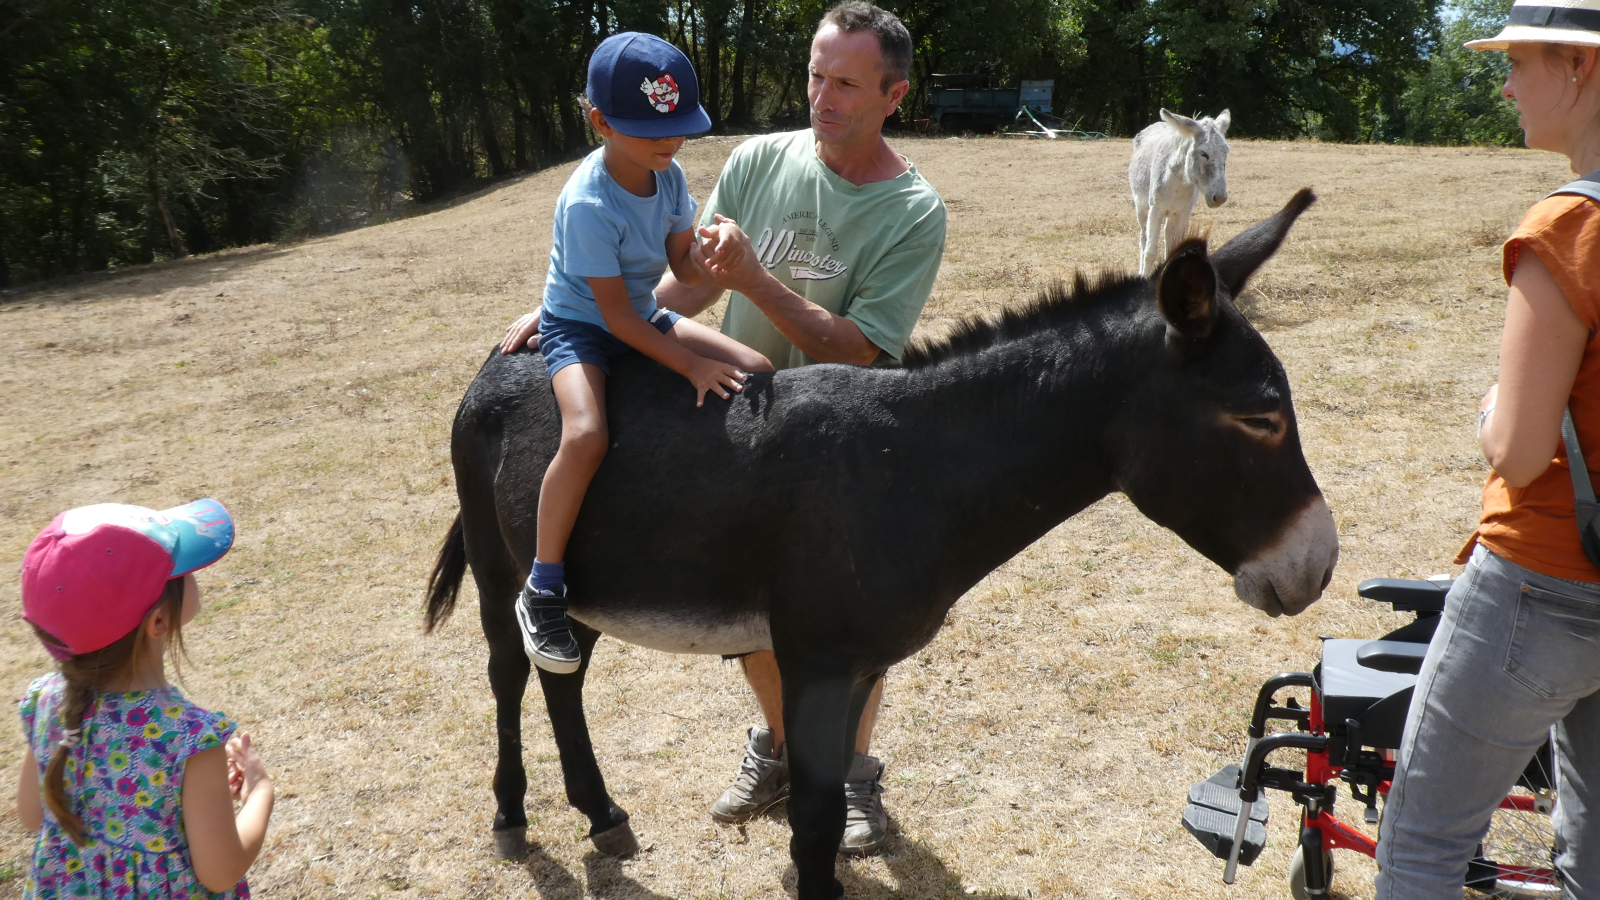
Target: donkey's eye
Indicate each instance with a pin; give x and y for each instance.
(1204, 155)
(1269, 426)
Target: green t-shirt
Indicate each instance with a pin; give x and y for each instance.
(868, 252)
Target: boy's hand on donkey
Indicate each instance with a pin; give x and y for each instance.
(523, 332)
(714, 376)
(245, 769)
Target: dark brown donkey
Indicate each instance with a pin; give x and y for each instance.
(834, 514)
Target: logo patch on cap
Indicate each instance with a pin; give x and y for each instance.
(662, 93)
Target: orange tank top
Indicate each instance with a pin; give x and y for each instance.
(1535, 526)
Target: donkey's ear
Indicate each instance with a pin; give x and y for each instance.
(1223, 120)
(1186, 292)
(1185, 125)
(1241, 257)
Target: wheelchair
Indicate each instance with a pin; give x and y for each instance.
(1350, 731)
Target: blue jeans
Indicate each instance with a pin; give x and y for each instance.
(1516, 654)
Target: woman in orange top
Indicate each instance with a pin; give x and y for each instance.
(1517, 652)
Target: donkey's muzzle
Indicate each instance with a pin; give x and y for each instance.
(1292, 573)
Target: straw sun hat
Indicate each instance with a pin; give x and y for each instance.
(1566, 22)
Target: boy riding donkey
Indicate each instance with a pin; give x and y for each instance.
(841, 239)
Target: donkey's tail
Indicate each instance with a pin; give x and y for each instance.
(444, 585)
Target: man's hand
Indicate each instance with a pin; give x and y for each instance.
(714, 376)
(729, 259)
(723, 246)
(524, 331)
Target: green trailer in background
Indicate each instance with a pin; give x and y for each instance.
(967, 102)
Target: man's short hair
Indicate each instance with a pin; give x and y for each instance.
(894, 41)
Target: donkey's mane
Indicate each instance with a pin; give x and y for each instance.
(982, 331)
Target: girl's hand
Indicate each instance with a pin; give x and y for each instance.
(245, 769)
(524, 331)
(714, 376)
(724, 246)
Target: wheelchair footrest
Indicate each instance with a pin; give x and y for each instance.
(1214, 808)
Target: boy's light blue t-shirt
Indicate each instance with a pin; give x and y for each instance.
(601, 230)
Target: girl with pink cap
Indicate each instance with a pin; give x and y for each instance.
(129, 786)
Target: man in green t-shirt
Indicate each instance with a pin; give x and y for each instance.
(843, 239)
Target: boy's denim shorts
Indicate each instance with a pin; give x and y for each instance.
(567, 341)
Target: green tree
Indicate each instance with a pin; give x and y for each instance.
(1456, 98)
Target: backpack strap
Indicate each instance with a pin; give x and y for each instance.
(1584, 506)
(1587, 186)
(1581, 488)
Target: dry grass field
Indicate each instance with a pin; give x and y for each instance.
(1039, 748)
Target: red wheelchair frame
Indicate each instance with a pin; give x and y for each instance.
(1369, 682)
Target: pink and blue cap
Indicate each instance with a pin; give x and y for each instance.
(90, 577)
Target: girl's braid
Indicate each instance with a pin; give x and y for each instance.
(85, 673)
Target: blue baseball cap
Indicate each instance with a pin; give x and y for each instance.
(646, 87)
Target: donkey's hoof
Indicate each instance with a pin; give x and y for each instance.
(511, 843)
(617, 840)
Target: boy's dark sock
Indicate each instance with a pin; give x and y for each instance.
(548, 577)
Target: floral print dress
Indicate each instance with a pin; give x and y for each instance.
(125, 780)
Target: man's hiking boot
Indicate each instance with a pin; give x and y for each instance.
(866, 825)
(762, 781)
(546, 631)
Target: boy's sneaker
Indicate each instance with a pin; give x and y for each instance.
(763, 780)
(866, 825)
(546, 631)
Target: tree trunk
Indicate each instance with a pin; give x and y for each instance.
(175, 239)
(741, 92)
(5, 266)
(572, 136)
(519, 130)
(154, 173)
(1140, 114)
(711, 81)
(694, 47)
(491, 141)
(546, 128)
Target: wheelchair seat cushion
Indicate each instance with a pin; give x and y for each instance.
(1377, 700)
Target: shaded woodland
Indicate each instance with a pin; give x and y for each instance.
(136, 130)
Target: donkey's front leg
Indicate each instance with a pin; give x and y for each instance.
(821, 709)
(1141, 214)
(1150, 238)
(586, 787)
(1178, 226)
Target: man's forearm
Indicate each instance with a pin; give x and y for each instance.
(819, 334)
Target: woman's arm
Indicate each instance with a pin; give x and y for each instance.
(29, 808)
(611, 295)
(1540, 350)
(222, 845)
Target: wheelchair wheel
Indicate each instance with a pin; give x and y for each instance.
(1516, 859)
(1297, 872)
(1517, 855)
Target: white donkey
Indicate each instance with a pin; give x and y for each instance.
(1175, 161)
